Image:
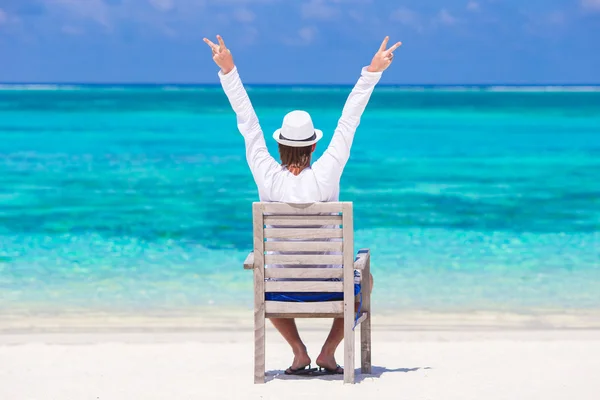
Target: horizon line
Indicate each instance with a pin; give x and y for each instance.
(217, 84)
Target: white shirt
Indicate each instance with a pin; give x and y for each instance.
(319, 183)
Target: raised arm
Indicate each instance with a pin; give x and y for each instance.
(332, 162)
(259, 159)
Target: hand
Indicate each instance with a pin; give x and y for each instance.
(383, 58)
(221, 55)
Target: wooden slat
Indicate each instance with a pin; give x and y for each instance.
(300, 315)
(271, 245)
(304, 273)
(324, 307)
(302, 233)
(303, 209)
(348, 294)
(303, 220)
(304, 286)
(259, 293)
(304, 259)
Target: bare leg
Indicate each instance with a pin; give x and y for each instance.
(327, 357)
(288, 329)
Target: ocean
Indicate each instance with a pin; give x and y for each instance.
(139, 198)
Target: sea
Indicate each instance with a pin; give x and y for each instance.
(138, 198)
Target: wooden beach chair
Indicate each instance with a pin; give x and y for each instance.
(299, 234)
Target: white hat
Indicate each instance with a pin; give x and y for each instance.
(297, 130)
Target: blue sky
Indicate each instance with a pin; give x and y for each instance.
(301, 41)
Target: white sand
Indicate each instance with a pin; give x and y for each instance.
(217, 364)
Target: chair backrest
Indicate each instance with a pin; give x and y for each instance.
(297, 242)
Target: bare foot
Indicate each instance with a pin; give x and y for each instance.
(301, 360)
(327, 361)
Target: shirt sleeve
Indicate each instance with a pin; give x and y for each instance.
(261, 163)
(330, 165)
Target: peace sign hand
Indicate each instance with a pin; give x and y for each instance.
(383, 58)
(221, 55)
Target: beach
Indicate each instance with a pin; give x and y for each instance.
(496, 361)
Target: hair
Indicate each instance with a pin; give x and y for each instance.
(295, 156)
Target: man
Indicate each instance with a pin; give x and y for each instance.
(295, 180)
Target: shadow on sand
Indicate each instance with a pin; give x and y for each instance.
(376, 372)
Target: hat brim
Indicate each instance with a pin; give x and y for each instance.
(296, 143)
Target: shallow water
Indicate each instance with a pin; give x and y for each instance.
(141, 197)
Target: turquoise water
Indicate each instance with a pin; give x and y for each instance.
(136, 198)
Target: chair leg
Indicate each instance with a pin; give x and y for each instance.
(365, 345)
(348, 350)
(259, 326)
(365, 327)
(259, 349)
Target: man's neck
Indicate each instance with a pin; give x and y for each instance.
(296, 170)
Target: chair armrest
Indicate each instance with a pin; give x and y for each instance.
(249, 263)
(361, 259)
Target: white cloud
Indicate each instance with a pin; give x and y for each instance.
(165, 16)
(95, 10)
(303, 37)
(473, 6)
(168, 31)
(444, 17)
(250, 36)
(591, 5)
(163, 5)
(407, 17)
(243, 15)
(8, 19)
(307, 34)
(318, 9)
(356, 15)
(421, 23)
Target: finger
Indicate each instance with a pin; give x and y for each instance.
(208, 42)
(221, 42)
(394, 47)
(211, 44)
(384, 43)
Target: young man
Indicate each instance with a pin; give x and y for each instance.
(295, 180)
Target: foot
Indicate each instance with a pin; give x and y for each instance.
(328, 363)
(301, 360)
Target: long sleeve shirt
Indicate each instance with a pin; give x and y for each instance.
(321, 181)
